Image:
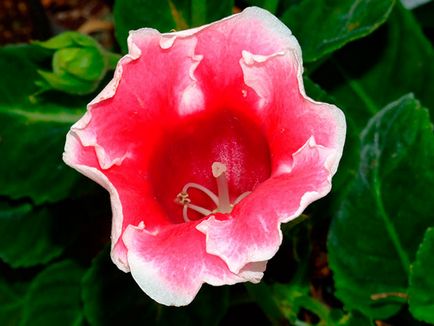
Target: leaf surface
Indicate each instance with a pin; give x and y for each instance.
(32, 131)
(383, 216)
(165, 15)
(112, 297)
(326, 25)
(421, 290)
(53, 297)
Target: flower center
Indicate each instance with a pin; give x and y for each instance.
(222, 201)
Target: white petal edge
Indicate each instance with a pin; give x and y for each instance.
(306, 200)
(101, 179)
(150, 281)
(250, 59)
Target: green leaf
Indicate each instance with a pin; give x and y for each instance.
(53, 297)
(421, 291)
(350, 159)
(382, 218)
(270, 5)
(424, 15)
(315, 92)
(216, 10)
(264, 297)
(32, 131)
(165, 15)
(208, 308)
(292, 298)
(32, 140)
(111, 297)
(26, 235)
(401, 61)
(326, 25)
(352, 319)
(34, 235)
(12, 294)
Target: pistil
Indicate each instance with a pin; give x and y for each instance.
(222, 200)
(219, 172)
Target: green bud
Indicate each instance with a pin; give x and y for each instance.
(79, 63)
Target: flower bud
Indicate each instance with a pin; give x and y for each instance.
(79, 64)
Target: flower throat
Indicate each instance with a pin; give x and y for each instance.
(222, 200)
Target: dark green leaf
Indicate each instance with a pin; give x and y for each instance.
(32, 131)
(216, 10)
(353, 319)
(33, 235)
(401, 60)
(326, 25)
(383, 216)
(54, 297)
(424, 15)
(165, 15)
(208, 308)
(111, 297)
(270, 5)
(264, 297)
(12, 296)
(349, 161)
(292, 298)
(27, 235)
(315, 92)
(421, 290)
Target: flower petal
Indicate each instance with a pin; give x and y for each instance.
(171, 265)
(117, 135)
(289, 117)
(221, 45)
(244, 69)
(84, 160)
(252, 234)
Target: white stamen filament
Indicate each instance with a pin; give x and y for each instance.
(184, 213)
(210, 194)
(241, 197)
(222, 201)
(199, 209)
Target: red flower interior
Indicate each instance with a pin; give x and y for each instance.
(187, 152)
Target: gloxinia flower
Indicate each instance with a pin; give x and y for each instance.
(207, 142)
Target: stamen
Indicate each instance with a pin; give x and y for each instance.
(222, 201)
(184, 213)
(218, 171)
(210, 194)
(241, 197)
(183, 199)
(199, 209)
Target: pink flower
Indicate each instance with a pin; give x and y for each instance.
(206, 142)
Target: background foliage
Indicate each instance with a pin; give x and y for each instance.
(361, 256)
